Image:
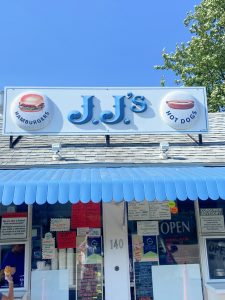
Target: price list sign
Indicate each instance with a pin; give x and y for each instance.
(89, 282)
(143, 280)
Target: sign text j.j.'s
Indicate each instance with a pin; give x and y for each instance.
(138, 105)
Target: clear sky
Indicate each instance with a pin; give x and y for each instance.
(88, 42)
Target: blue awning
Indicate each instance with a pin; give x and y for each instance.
(107, 184)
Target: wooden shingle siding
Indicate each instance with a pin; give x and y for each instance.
(36, 151)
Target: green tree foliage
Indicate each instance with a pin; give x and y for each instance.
(201, 61)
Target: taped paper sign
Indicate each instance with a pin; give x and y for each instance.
(14, 227)
(48, 246)
(83, 231)
(145, 210)
(60, 224)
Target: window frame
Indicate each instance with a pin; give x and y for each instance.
(26, 272)
(206, 264)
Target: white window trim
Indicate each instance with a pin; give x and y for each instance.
(19, 292)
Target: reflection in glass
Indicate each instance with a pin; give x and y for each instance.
(216, 257)
(13, 256)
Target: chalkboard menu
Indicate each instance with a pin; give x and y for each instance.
(143, 280)
(89, 282)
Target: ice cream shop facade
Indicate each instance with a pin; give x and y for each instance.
(112, 194)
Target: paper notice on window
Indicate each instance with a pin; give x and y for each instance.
(159, 210)
(148, 228)
(138, 211)
(14, 228)
(212, 220)
(83, 231)
(149, 211)
(48, 247)
(60, 224)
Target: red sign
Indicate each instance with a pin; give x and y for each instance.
(14, 215)
(86, 215)
(66, 239)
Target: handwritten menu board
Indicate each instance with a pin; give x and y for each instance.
(86, 215)
(66, 239)
(154, 210)
(89, 282)
(143, 280)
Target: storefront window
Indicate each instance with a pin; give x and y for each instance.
(12, 255)
(212, 228)
(160, 233)
(68, 238)
(14, 244)
(216, 257)
(212, 217)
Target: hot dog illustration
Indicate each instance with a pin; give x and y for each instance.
(180, 104)
(180, 109)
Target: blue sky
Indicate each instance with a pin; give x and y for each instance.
(88, 42)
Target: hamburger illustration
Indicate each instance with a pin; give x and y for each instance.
(32, 110)
(181, 104)
(31, 103)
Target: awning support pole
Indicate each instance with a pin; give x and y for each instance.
(124, 214)
(12, 142)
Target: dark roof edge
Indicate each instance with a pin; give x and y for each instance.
(111, 165)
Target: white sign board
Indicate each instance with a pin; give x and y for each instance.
(177, 282)
(145, 210)
(138, 210)
(159, 210)
(148, 228)
(212, 220)
(53, 284)
(14, 228)
(94, 111)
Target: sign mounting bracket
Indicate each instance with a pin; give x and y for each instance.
(12, 142)
(199, 141)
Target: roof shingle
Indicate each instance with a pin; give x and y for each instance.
(34, 151)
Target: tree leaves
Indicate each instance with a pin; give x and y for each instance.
(201, 61)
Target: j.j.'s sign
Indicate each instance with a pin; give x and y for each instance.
(104, 110)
